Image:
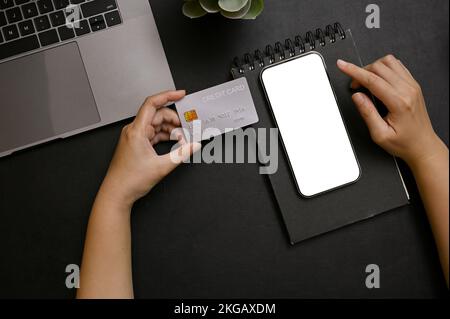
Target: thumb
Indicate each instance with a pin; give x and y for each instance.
(179, 155)
(376, 124)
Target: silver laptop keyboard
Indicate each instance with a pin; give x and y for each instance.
(27, 25)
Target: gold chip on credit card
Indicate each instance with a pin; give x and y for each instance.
(219, 109)
(190, 116)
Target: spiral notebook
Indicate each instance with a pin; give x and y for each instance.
(381, 187)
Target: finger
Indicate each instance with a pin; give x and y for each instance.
(152, 104)
(176, 157)
(166, 115)
(150, 131)
(394, 64)
(165, 127)
(178, 134)
(386, 73)
(160, 137)
(378, 86)
(167, 132)
(406, 70)
(168, 128)
(375, 123)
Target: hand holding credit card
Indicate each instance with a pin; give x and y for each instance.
(217, 110)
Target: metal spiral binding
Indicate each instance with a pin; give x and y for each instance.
(290, 48)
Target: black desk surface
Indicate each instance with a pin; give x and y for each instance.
(214, 230)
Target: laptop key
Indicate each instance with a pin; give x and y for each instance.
(14, 15)
(48, 37)
(10, 32)
(65, 33)
(97, 23)
(2, 19)
(57, 18)
(30, 10)
(97, 7)
(113, 18)
(5, 4)
(26, 28)
(42, 23)
(83, 28)
(45, 6)
(20, 46)
(61, 4)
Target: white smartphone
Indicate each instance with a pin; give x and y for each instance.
(311, 127)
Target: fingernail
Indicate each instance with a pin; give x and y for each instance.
(358, 98)
(341, 63)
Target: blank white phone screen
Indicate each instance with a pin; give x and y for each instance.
(310, 123)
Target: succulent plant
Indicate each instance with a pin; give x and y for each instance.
(232, 9)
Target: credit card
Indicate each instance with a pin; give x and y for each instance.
(217, 110)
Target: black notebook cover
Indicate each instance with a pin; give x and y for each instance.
(380, 188)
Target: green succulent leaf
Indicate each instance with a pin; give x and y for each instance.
(255, 10)
(193, 9)
(210, 6)
(232, 9)
(238, 14)
(232, 5)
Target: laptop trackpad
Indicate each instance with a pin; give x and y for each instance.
(44, 95)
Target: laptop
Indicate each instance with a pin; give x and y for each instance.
(58, 79)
